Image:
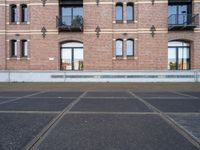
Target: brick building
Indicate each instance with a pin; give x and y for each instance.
(99, 34)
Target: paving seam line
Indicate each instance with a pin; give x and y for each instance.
(26, 96)
(185, 95)
(31, 112)
(192, 139)
(105, 90)
(111, 97)
(112, 113)
(182, 113)
(32, 145)
(54, 97)
(169, 97)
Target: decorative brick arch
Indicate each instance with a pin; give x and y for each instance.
(70, 39)
(181, 37)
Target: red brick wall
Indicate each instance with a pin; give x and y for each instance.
(148, 54)
(99, 53)
(2, 37)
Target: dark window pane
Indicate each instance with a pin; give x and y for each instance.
(130, 48)
(70, 14)
(119, 12)
(119, 48)
(13, 13)
(130, 12)
(13, 48)
(24, 13)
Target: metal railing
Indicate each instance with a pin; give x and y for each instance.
(183, 20)
(70, 22)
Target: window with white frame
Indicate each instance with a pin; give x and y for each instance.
(13, 48)
(130, 47)
(24, 48)
(119, 47)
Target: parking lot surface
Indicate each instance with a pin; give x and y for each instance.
(99, 120)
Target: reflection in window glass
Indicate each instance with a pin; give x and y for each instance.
(72, 56)
(69, 14)
(119, 48)
(78, 59)
(183, 55)
(66, 56)
(172, 58)
(119, 12)
(179, 13)
(130, 48)
(178, 55)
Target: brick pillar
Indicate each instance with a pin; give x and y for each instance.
(2, 36)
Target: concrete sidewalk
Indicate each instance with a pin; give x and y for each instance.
(102, 86)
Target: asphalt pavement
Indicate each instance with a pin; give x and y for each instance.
(99, 120)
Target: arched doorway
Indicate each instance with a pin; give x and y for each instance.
(72, 56)
(178, 55)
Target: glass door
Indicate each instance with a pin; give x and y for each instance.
(178, 55)
(70, 13)
(66, 13)
(183, 58)
(179, 12)
(66, 59)
(172, 58)
(182, 12)
(78, 58)
(172, 11)
(72, 59)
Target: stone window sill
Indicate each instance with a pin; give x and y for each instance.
(125, 58)
(17, 58)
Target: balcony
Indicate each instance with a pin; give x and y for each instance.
(183, 21)
(70, 23)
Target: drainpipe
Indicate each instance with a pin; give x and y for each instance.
(196, 76)
(9, 76)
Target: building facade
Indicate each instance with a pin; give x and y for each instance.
(99, 35)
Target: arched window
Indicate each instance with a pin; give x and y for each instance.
(72, 56)
(119, 12)
(178, 55)
(119, 47)
(24, 48)
(130, 47)
(13, 48)
(13, 13)
(24, 13)
(130, 12)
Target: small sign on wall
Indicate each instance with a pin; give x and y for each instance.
(51, 58)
